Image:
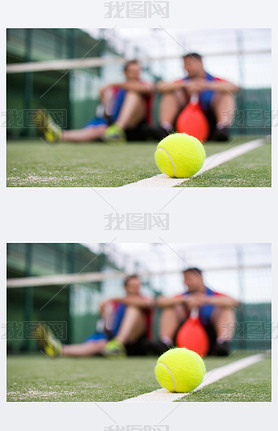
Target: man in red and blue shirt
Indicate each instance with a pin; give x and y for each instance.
(126, 111)
(216, 98)
(216, 312)
(127, 324)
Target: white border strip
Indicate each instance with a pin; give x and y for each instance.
(162, 180)
(162, 395)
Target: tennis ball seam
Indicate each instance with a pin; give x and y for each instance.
(197, 359)
(198, 148)
(170, 372)
(171, 160)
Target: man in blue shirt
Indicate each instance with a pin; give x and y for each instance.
(216, 312)
(216, 98)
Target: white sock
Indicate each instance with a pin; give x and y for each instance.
(165, 125)
(220, 340)
(221, 125)
(166, 340)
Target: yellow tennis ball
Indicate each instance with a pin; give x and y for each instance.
(180, 370)
(180, 155)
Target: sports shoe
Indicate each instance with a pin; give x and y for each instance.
(45, 123)
(157, 132)
(221, 348)
(221, 134)
(47, 341)
(114, 349)
(114, 134)
(156, 347)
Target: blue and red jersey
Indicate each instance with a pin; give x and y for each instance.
(118, 100)
(119, 95)
(119, 311)
(206, 96)
(118, 315)
(205, 311)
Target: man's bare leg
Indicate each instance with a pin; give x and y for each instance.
(132, 111)
(170, 105)
(223, 319)
(224, 108)
(132, 326)
(83, 135)
(85, 349)
(170, 319)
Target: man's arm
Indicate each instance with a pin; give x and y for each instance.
(197, 300)
(163, 301)
(220, 301)
(221, 86)
(139, 87)
(136, 301)
(190, 86)
(168, 87)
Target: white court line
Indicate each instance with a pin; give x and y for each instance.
(162, 180)
(162, 395)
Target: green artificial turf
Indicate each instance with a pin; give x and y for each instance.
(38, 378)
(252, 384)
(252, 169)
(38, 164)
(78, 165)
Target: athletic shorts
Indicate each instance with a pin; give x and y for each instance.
(99, 121)
(138, 133)
(139, 348)
(96, 336)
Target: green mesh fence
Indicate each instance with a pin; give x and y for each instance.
(56, 304)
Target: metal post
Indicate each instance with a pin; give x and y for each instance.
(242, 344)
(71, 269)
(28, 302)
(70, 54)
(241, 96)
(103, 265)
(28, 83)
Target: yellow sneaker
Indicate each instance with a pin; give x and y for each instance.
(47, 341)
(46, 125)
(114, 349)
(114, 134)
